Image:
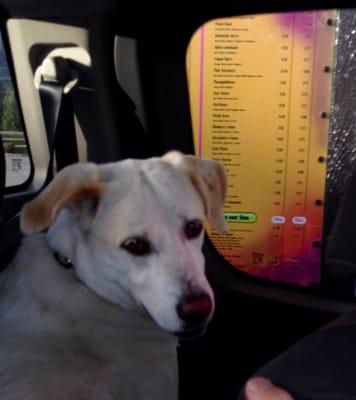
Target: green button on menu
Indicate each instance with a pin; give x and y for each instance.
(244, 217)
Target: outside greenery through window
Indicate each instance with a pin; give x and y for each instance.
(16, 152)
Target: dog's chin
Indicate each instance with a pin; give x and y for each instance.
(191, 334)
(186, 333)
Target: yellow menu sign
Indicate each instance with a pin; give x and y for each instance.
(260, 92)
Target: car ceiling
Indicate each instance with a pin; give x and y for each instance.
(135, 18)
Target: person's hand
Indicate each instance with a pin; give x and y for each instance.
(263, 389)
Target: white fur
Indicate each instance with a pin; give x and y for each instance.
(103, 330)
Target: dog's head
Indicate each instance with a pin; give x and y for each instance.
(134, 231)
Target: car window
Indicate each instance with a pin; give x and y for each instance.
(18, 165)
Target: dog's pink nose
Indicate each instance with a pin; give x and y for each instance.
(195, 308)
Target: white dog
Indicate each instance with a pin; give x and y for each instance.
(87, 309)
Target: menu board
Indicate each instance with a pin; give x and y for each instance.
(260, 92)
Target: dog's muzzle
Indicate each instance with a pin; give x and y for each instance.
(194, 311)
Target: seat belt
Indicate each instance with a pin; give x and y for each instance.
(55, 81)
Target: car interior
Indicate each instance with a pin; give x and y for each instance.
(266, 88)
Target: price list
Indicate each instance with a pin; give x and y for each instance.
(260, 92)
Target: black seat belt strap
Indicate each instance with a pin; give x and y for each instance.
(58, 114)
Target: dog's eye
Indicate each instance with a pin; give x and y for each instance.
(193, 228)
(138, 246)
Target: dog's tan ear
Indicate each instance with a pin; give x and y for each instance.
(75, 182)
(210, 180)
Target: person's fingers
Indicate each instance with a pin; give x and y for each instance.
(263, 389)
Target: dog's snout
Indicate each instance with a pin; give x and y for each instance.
(195, 308)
